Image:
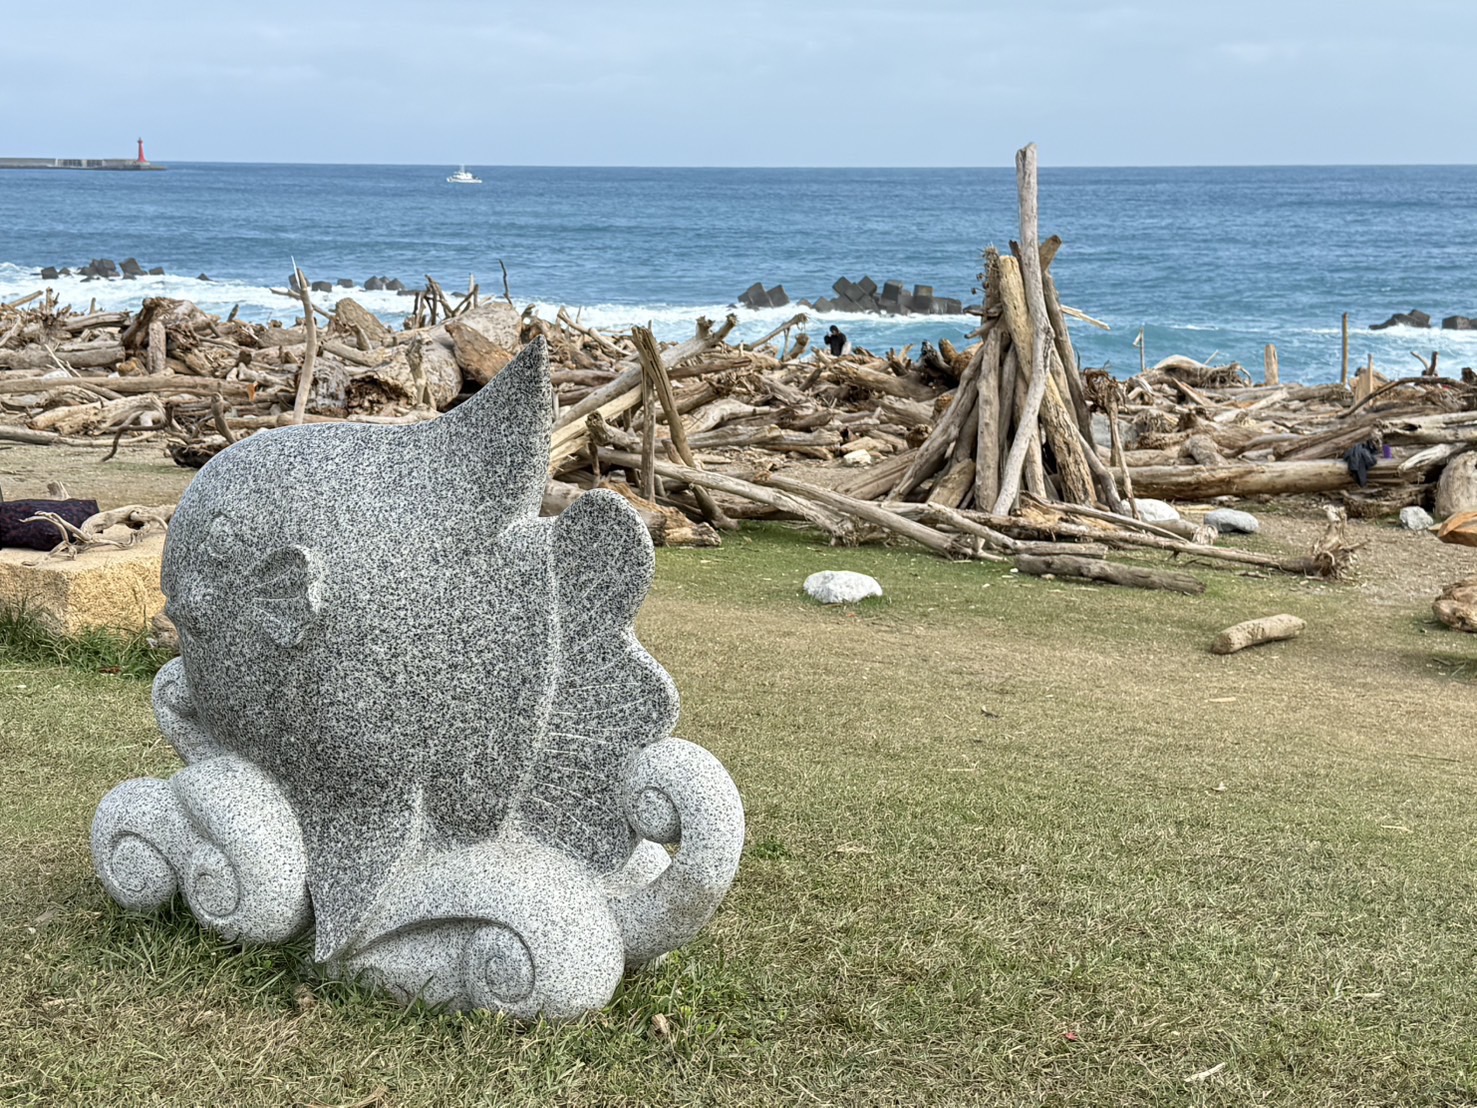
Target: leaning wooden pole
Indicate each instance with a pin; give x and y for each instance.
(648, 435)
(990, 427)
(1115, 438)
(1344, 374)
(310, 326)
(1066, 353)
(651, 364)
(1010, 480)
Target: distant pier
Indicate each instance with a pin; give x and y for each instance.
(132, 165)
(127, 164)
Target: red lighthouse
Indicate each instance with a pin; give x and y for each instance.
(141, 159)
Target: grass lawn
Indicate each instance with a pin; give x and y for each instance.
(1010, 841)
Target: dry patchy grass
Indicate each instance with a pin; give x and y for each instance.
(1010, 841)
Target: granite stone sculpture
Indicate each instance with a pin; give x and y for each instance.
(415, 716)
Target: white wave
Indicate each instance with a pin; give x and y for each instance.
(1403, 334)
(259, 303)
(1422, 335)
(673, 322)
(1282, 332)
(676, 321)
(616, 317)
(255, 302)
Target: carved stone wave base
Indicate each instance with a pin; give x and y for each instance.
(508, 924)
(416, 718)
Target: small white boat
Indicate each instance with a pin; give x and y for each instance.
(462, 177)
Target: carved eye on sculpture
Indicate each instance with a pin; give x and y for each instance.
(497, 967)
(223, 541)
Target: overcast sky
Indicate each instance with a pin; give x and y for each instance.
(745, 82)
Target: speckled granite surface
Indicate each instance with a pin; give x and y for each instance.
(430, 705)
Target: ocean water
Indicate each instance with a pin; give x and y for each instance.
(1214, 263)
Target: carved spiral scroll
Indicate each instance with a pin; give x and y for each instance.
(497, 968)
(523, 929)
(135, 838)
(219, 831)
(677, 792)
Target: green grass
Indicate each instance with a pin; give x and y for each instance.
(1010, 841)
(24, 639)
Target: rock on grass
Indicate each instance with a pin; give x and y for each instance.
(841, 586)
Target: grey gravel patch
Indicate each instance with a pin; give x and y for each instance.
(416, 717)
(841, 586)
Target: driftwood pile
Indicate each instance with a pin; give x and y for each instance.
(170, 369)
(1000, 449)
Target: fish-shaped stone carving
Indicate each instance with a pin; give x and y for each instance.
(427, 706)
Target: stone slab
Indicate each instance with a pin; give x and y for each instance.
(116, 589)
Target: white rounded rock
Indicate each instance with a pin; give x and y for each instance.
(1226, 520)
(841, 586)
(1415, 518)
(1155, 511)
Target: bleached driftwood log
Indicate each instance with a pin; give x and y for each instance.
(1255, 631)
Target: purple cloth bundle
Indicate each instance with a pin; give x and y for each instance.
(40, 535)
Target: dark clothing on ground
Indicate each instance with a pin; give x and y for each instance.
(40, 535)
(1360, 459)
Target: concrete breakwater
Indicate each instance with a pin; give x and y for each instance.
(1417, 318)
(126, 164)
(891, 298)
(99, 268)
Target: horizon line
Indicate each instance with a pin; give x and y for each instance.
(1006, 168)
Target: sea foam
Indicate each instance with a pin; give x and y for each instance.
(257, 303)
(673, 322)
(669, 322)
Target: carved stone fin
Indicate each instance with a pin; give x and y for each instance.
(288, 594)
(503, 433)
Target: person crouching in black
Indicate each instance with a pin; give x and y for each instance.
(836, 341)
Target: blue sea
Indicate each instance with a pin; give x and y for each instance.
(1213, 262)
